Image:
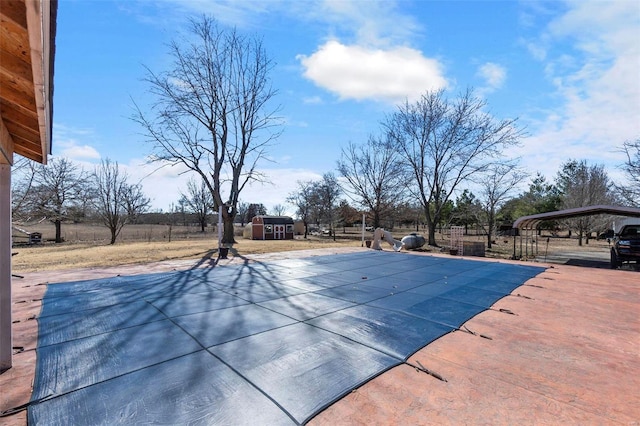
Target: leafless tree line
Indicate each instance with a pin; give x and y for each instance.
(62, 191)
(432, 149)
(212, 112)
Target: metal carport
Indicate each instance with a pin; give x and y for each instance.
(528, 225)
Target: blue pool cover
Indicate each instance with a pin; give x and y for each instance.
(260, 343)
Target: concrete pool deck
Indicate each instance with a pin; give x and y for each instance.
(565, 349)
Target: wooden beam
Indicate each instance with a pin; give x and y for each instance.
(21, 86)
(6, 144)
(29, 152)
(38, 26)
(14, 38)
(6, 336)
(15, 10)
(16, 66)
(9, 99)
(15, 117)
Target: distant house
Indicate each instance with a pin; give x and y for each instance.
(272, 228)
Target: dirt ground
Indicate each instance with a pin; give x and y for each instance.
(70, 255)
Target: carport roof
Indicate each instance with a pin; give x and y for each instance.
(532, 221)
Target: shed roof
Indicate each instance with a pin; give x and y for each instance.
(276, 219)
(532, 221)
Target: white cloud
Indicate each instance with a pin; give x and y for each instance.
(356, 72)
(593, 59)
(161, 182)
(368, 55)
(493, 75)
(71, 149)
(536, 50)
(312, 100)
(370, 23)
(374, 62)
(69, 142)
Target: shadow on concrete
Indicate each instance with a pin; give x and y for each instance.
(588, 263)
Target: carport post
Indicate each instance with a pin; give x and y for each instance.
(521, 244)
(5, 266)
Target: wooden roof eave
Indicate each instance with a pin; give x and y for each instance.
(27, 41)
(39, 29)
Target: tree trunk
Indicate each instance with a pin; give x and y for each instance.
(432, 236)
(58, 225)
(113, 235)
(490, 229)
(431, 226)
(228, 230)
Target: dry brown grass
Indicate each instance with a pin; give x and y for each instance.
(86, 247)
(71, 255)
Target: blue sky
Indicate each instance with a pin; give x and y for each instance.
(569, 71)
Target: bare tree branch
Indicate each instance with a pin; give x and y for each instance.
(374, 176)
(629, 191)
(212, 111)
(497, 185)
(446, 143)
(111, 188)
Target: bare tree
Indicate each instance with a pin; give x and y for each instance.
(54, 190)
(279, 210)
(135, 202)
(630, 190)
(302, 200)
(111, 188)
(242, 210)
(212, 112)
(446, 143)
(199, 201)
(582, 185)
(374, 175)
(23, 174)
(325, 197)
(497, 185)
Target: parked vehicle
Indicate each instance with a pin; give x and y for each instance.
(626, 245)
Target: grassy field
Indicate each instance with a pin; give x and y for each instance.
(87, 246)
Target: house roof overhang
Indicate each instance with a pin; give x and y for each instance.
(532, 222)
(27, 51)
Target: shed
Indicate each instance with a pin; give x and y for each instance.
(272, 228)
